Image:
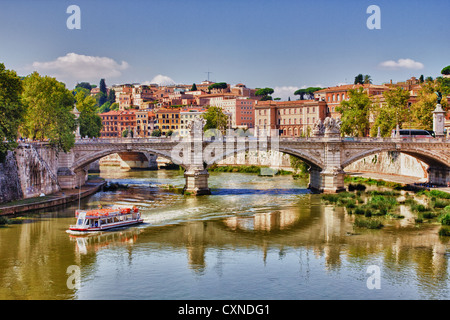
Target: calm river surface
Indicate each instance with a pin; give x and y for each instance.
(253, 238)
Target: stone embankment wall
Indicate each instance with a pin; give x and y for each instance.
(10, 189)
(391, 163)
(38, 169)
(272, 159)
(387, 163)
(128, 160)
(28, 172)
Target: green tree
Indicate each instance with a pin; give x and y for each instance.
(363, 79)
(85, 85)
(308, 91)
(218, 85)
(156, 133)
(384, 119)
(422, 109)
(114, 106)
(49, 111)
(215, 119)
(194, 87)
(89, 121)
(299, 166)
(111, 96)
(446, 70)
(81, 89)
(102, 95)
(443, 85)
(394, 111)
(359, 79)
(355, 113)
(11, 109)
(106, 107)
(264, 93)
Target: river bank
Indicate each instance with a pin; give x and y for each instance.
(56, 199)
(405, 180)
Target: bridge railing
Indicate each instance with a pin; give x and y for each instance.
(280, 139)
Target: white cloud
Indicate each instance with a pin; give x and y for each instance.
(75, 67)
(402, 64)
(161, 80)
(285, 92)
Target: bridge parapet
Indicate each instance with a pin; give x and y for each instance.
(327, 156)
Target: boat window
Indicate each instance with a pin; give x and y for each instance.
(80, 222)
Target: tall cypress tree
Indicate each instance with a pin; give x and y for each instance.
(103, 97)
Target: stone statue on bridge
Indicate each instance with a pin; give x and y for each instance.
(439, 97)
(332, 126)
(195, 127)
(319, 128)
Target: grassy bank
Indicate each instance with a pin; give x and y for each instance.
(372, 208)
(248, 169)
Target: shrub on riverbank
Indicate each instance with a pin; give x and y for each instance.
(444, 218)
(252, 169)
(241, 169)
(368, 223)
(4, 220)
(437, 208)
(434, 193)
(373, 182)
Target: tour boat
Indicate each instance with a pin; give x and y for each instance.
(105, 219)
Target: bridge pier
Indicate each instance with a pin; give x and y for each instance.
(329, 180)
(196, 181)
(439, 175)
(68, 179)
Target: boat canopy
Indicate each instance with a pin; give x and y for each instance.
(96, 213)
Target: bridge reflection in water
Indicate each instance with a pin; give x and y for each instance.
(254, 237)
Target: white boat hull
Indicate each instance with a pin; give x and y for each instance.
(107, 226)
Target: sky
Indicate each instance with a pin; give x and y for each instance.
(281, 44)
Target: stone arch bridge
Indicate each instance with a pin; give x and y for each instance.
(326, 156)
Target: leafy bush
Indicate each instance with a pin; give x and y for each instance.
(330, 198)
(444, 232)
(368, 223)
(444, 219)
(4, 220)
(358, 187)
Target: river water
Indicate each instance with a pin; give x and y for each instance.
(253, 238)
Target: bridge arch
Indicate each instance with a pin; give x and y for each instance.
(88, 157)
(431, 158)
(307, 157)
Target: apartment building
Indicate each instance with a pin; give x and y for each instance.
(240, 109)
(167, 120)
(291, 118)
(187, 115)
(145, 122)
(116, 122)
